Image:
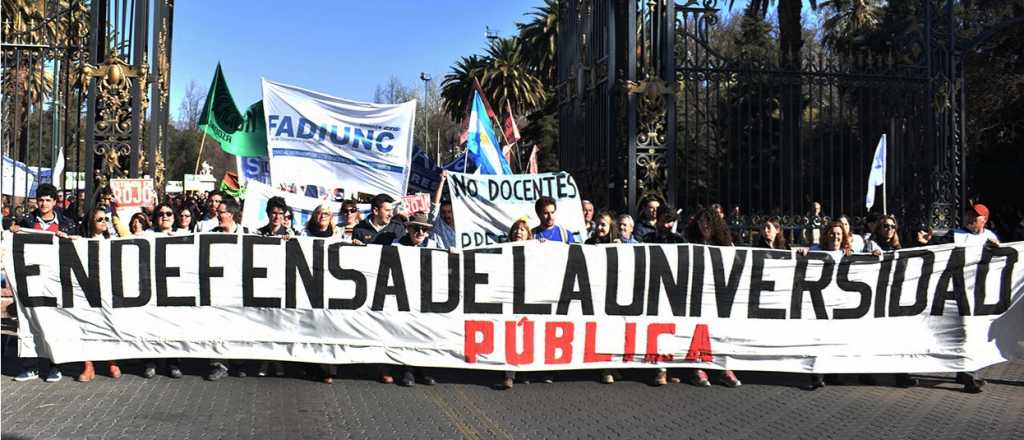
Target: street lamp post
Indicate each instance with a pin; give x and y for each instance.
(426, 116)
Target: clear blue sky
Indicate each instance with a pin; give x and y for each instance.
(342, 48)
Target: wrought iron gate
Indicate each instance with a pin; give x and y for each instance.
(77, 80)
(648, 105)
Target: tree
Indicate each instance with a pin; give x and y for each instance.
(539, 40)
(847, 20)
(394, 92)
(457, 87)
(191, 106)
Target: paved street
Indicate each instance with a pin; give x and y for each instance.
(465, 405)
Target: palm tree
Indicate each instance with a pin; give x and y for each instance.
(457, 87)
(539, 40)
(790, 30)
(507, 78)
(845, 20)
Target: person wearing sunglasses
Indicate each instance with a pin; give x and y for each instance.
(886, 237)
(163, 222)
(321, 223)
(417, 234)
(98, 227)
(350, 217)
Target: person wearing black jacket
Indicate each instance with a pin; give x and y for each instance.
(380, 228)
(44, 218)
(664, 229)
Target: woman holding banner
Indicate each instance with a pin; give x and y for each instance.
(834, 238)
(321, 224)
(99, 228)
(604, 232)
(164, 220)
(520, 231)
(709, 228)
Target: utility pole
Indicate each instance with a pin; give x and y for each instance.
(426, 116)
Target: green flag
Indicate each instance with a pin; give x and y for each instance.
(238, 134)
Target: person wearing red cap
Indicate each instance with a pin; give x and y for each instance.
(973, 233)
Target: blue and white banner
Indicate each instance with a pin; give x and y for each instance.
(20, 180)
(253, 168)
(426, 175)
(316, 139)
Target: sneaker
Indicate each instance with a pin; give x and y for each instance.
(150, 371)
(54, 376)
(700, 378)
(661, 377)
(240, 373)
(606, 377)
(217, 373)
(407, 379)
(262, 372)
(27, 375)
(729, 379)
(428, 380)
(817, 381)
(905, 381)
(278, 369)
(548, 379)
(175, 372)
(507, 383)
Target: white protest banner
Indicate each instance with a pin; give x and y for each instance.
(200, 182)
(74, 180)
(413, 203)
(131, 195)
(253, 168)
(316, 139)
(517, 306)
(174, 187)
(254, 215)
(485, 206)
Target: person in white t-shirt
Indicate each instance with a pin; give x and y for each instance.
(213, 202)
(973, 233)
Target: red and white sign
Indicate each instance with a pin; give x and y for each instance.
(419, 202)
(132, 194)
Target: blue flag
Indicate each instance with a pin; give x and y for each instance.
(481, 145)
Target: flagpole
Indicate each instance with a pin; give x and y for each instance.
(200, 155)
(885, 169)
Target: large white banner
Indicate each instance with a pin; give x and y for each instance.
(517, 306)
(485, 206)
(320, 140)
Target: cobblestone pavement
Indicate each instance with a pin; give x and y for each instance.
(466, 405)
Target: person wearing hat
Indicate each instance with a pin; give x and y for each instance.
(417, 232)
(973, 233)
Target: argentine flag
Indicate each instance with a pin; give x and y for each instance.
(481, 144)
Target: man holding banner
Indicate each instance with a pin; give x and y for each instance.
(548, 230)
(379, 228)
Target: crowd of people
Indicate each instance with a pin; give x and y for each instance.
(657, 223)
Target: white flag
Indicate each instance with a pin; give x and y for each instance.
(58, 169)
(877, 175)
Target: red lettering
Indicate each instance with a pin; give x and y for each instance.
(700, 345)
(472, 346)
(513, 357)
(590, 346)
(630, 346)
(653, 331)
(562, 341)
